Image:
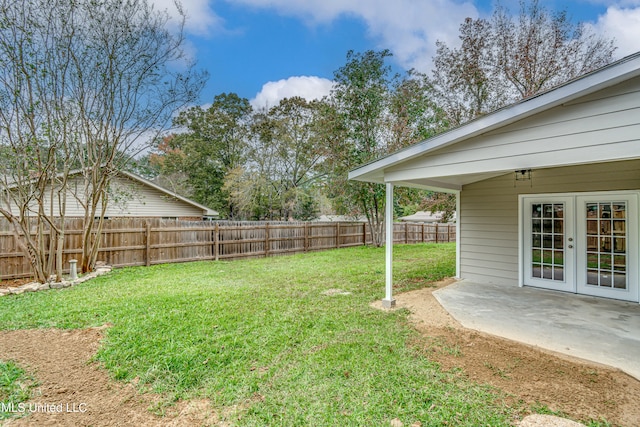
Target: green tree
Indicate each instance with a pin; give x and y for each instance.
(288, 130)
(278, 179)
(214, 144)
(371, 112)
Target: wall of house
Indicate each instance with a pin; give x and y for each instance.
(131, 198)
(489, 212)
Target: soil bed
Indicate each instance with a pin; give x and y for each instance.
(580, 389)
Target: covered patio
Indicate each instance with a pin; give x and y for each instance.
(600, 330)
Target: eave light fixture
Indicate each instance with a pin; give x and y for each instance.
(522, 175)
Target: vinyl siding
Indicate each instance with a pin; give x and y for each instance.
(130, 198)
(489, 213)
(604, 126)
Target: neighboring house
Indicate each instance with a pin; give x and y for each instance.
(131, 195)
(426, 217)
(547, 189)
(143, 198)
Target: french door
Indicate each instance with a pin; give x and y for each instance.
(582, 243)
(549, 254)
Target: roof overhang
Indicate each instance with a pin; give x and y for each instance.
(381, 171)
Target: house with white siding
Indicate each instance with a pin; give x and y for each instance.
(547, 189)
(130, 195)
(134, 196)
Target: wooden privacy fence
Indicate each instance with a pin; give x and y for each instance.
(144, 241)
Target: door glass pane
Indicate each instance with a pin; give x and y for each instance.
(606, 244)
(547, 241)
(558, 258)
(620, 245)
(620, 263)
(619, 226)
(536, 226)
(536, 210)
(605, 280)
(536, 241)
(558, 210)
(536, 255)
(620, 280)
(536, 270)
(558, 242)
(619, 210)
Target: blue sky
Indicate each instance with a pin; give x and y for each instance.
(265, 50)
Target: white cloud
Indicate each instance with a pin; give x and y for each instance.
(201, 19)
(408, 28)
(308, 87)
(623, 24)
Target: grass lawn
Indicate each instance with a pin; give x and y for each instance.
(14, 389)
(262, 335)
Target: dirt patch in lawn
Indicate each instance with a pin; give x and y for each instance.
(71, 390)
(579, 389)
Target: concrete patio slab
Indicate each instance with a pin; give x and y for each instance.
(596, 329)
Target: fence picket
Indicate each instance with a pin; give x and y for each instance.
(150, 241)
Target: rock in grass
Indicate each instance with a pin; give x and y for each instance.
(539, 420)
(31, 287)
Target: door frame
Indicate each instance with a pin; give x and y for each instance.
(579, 198)
(631, 293)
(568, 282)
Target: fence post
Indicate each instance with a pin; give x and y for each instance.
(436, 232)
(147, 238)
(267, 243)
(306, 236)
(448, 233)
(406, 233)
(337, 234)
(216, 242)
(422, 232)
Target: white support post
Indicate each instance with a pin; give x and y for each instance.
(388, 301)
(458, 235)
